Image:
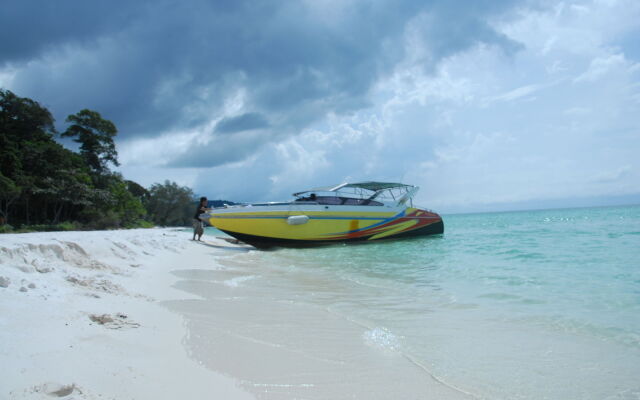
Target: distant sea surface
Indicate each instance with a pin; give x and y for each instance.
(514, 305)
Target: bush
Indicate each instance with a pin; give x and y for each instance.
(69, 226)
(107, 221)
(99, 220)
(64, 226)
(141, 223)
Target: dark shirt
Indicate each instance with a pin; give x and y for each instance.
(199, 210)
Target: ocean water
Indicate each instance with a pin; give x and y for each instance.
(515, 305)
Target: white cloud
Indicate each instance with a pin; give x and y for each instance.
(601, 66)
(299, 165)
(487, 127)
(461, 134)
(155, 151)
(517, 93)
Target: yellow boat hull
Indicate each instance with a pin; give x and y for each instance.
(267, 228)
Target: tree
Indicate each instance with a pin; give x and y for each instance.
(137, 190)
(43, 182)
(23, 124)
(95, 136)
(128, 207)
(66, 189)
(170, 204)
(9, 193)
(26, 142)
(112, 204)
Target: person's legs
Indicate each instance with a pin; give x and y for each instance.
(200, 230)
(196, 224)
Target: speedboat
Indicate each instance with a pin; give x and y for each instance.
(348, 212)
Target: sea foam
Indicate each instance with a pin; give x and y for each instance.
(382, 338)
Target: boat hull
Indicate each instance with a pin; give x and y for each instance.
(265, 227)
(264, 242)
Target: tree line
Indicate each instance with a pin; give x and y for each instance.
(46, 186)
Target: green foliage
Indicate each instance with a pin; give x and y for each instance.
(6, 228)
(26, 128)
(66, 188)
(142, 224)
(69, 226)
(95, 136)
(64, 226)
(23, 124)
(128, 207)
(101, 219)
(44, 186)
(112, 204)
(137, 190)
(9, 193)
(170, 204)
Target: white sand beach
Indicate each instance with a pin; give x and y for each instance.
(80, 318)
(150, 314)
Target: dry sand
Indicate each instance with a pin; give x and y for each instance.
(81, 317)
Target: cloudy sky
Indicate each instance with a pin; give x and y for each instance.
(484, 104)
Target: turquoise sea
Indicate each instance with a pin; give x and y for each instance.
(513, 305)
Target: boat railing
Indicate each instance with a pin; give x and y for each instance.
(271, 203)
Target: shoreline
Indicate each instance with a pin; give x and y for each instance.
(81, 315)
(149, 313)
(256, 319)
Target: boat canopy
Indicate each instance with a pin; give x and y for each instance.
(372, 186)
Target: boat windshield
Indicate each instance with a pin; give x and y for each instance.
(364, 193)
(339, 201)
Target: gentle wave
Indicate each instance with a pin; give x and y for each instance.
(382, 338)
(238, 280)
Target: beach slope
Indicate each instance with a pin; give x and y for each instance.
(81, 316)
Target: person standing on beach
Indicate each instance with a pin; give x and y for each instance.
(198, 227)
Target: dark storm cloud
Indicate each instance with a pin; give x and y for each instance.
(244, 122)
(30, 27)
(220, 151)
(161, 66)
